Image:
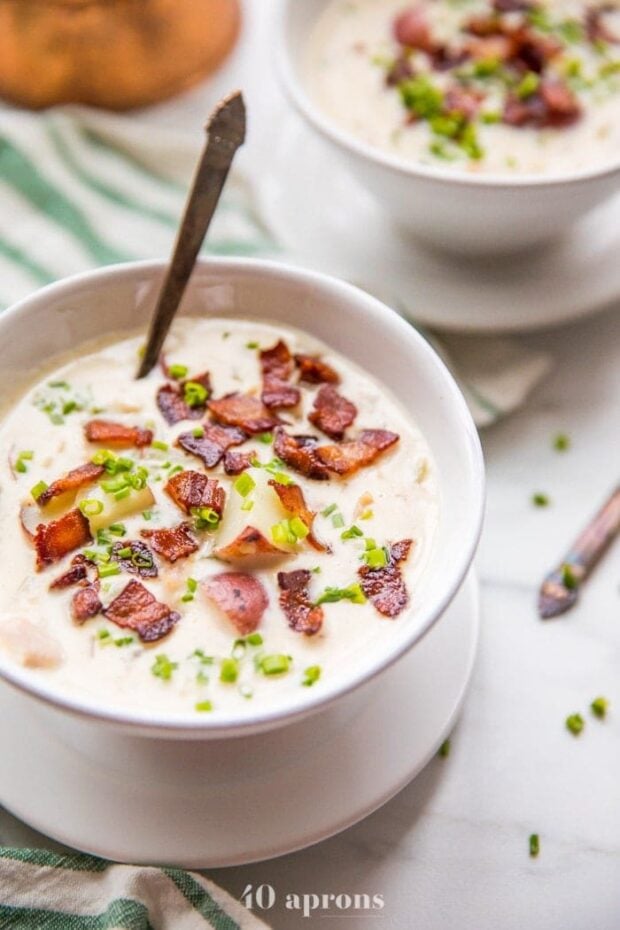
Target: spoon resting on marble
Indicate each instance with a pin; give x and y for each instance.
(226, 132)
(560, 589)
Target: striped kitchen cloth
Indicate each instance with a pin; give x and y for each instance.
(81, 188)
(41, 890)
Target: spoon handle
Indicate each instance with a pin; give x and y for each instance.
(226, 132)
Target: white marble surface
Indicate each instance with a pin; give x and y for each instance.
(451, 851)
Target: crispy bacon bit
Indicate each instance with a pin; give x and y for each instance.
(85, 603)
(554, 105)
(236, 462)
(117, 434)
(249, 543)
(277, 368)
(401, 70)
(315, 371)
(347, 457)
(191, 490)
(444, 57)
(484, 26)
(172, 544)
(59, 537)
(332, 412)
(72, 481)
(78, 572)
(511, 6)
(242, 410)
(241, 597)
(463, 101)
(137, 609)
(300, 453)
(140, 562)
(412, 29)
(292, 499)
(498, 47)
(385, 586)
(172, 404)
(211, 447)
(303, 616)
(597, 29)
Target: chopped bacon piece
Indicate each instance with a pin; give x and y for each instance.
(139, 562)
(385, 586)
(463, 101)
(85, 603)
(78, 572)
(117, 434)
(172, 404)
(137, 609)
(59, 537)
(211, 447)
(492, 47)
(597, 29)
(332, 412)
(444, 58)
(72, 481)
(292, 499)
(242, 410)
(172, 544)
(277, 368)
(300, 453)
(191, 490)
(563, 108)
(236, 462)
(484, 26)
(512, 6)
(347, 457)
(315, 371)
(303, 616)
(412, 29)
(401, 70)
(241, 597)
(249, 543)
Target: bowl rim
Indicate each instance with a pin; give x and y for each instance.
(331, 287)
(294, 89)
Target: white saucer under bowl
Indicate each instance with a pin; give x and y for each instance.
(327, 220)
(237, 800)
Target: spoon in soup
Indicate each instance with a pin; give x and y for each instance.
(226, 132)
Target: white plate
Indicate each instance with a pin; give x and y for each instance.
(327, 220)
(234, 801)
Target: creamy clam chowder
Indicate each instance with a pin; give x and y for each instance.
(488, 86)
(249, 520)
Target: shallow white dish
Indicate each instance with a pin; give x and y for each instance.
(453, 210)
(199, 805)
(350, 235)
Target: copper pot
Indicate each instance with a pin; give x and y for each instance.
(110, 53)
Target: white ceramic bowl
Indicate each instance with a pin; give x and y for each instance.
(116, 299)
(450, 209)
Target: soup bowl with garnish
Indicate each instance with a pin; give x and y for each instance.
(281, 509)
(484, 126)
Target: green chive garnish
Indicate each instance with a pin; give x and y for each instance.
(311, 675)
(575, 724)
(163, 668)
(39, 488)
(229, 670)
(540, 500)
(534, 845)
(276, 664)
(244, 484)
(599, 707)
(204, 706)
(90, 507)
(178, 371)
(444, 749)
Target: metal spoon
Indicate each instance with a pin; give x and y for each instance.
(226, 132)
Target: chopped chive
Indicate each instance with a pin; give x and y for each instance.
(178, 371)
(125, 553)
(39, 488)
(254, 639)
(534, 845)
(244, 484)
(202, 656)
(276, 664)
(122, 494)
(569, 578)
(337, 520)
(124, 641)
(311, 675)
(528, 85)
(266, 438)
(252, 345)
(575, 724)
(299, 528)
(158, 444)
(540, 500)
(351, 533)
(117, 529)
(192, 585)
(163, 668)
(599, 707)
(229, 670)
(444, 749)
(376, 558)
(62, 385)
(198, 432)
(247, 504)
(352, 593)
(203, 706)
(194, 394)
(90, 507)
(147, 514)
(106, 571)
(366, 515)
(103, 635)
(561, 442)
(329, 510)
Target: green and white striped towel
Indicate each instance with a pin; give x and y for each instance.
(82, 188)
(41, 890)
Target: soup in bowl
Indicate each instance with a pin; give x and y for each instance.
(483, 125)
(285, 504)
